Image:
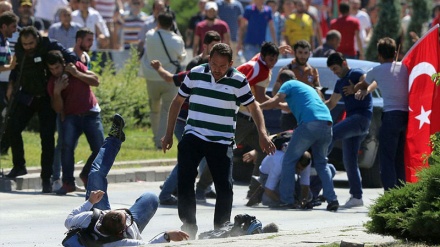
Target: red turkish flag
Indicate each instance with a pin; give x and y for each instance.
(422, 61)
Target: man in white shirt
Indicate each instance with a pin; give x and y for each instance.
(364, 21)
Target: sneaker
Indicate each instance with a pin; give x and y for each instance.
(66, 188)
(172, 201)
(79, 188)
(16, 171)
(333, 206)
(353, 202)
(47, 187)
(200, 196)
(57, 184)
(117, 126)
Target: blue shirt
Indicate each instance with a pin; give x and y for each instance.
(229, 13)
(304, 102)
(353, 106)
(257, 24)
(66, 37)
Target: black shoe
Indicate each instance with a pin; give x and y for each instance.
(47, 187)
(333, 206)
(256, 197)
(211, 194)
(67, 188)
(284, 206)
(172, 201)
(117, 126)
(16, 171)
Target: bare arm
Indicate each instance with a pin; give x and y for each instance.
(260, 94)
(333, 100)
(274, 102)
(166, 75)
(10, 66)
(57, 101)
(265, 143)
(167, 140)
(196, 42)
(87, 77)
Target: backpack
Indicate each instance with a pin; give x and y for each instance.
(87, 237)
(244, 224)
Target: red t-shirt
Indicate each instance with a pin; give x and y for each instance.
(255, 70)
(77, 97)
(202, 27)
(347, 26)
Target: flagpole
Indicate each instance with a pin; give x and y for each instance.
(419, 40)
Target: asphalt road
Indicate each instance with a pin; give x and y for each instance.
(28, 218)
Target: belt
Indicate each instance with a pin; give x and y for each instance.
(248, 118)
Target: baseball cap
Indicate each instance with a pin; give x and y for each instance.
(26, 3)
(211, 5)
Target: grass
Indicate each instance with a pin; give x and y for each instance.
(137, 146)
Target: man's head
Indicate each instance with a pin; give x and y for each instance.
(273, 4)
(338, 64)
(84, 39)
(115, 222)
(5, 6)
(211, 9)
(25, 10)
(344, 8)
(136, 5)
(300, 6)
(29, 38)
(303, 162)
(355, 5)
(8, 23)
(158, 7)
(386, 48)
(269, 54)
(333, 38)
(286, 75)
(55, 63)
(302, 50)
(288, 7)
(84, 5)
(211, 38)
(220, 60)
(202, 4)
(65, 15)
(165, 20)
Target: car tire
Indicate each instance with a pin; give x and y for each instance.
(371, 176)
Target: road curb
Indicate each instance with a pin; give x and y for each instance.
(121, 172)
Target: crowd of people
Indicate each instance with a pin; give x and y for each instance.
(215, 103)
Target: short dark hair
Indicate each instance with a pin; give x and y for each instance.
(112, 224)
(344, 8)
(54, 57)
(332, 34)
(302, 44)
(304, 161)
(386, 47)
(165, 20)
(7, 18)
(335, 58)
(221, 49)
(269, 48)
(83, 32)
(286, 75)
(29, 30)
(211, 36)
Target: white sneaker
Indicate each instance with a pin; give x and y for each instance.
(353, 202)
(80, 188)
(56, 185)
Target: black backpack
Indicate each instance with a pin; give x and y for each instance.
(77, 237)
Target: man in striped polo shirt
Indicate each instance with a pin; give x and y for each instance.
(215, 90)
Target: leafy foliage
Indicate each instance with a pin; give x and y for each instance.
(388, 25)
(123, 92)
(413, 211)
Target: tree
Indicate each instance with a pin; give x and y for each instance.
(388, 25)
(418, 18)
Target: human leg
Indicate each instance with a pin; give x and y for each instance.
(104, 161)
(71, 133)
(94, 132)
(56, 166)
(168, 92)
(220, 164)
(153, 89)
(190, 152)
(391, 148)
(144, 209)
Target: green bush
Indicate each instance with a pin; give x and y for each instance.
(411, 212)
(122, 92)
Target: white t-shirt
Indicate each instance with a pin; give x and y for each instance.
(365, 23)
(392, 81)
(272, 166)
(47, 9)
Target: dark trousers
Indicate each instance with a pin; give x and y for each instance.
(191, 150)
(4, 146)
(18, 122)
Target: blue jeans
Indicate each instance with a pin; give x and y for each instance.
(352, 132)
(391, 148)
(73, 127)
(145, 206)
(316, 135)
(56, 166)
(249, 51)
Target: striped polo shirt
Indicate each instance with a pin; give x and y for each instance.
(5, 55)
(213, 104)
(132, 26)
